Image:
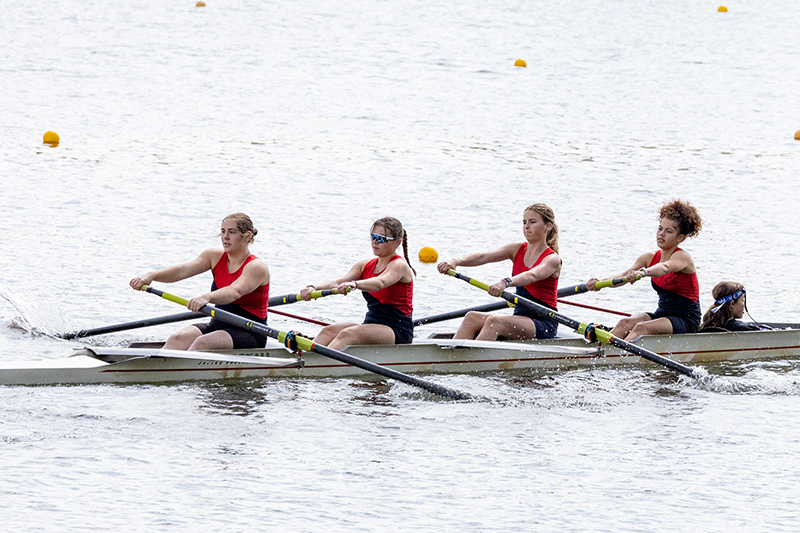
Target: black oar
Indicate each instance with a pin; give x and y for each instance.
(587, 330)
(496, 306)
(292, 341)
(131, 325)
(292, 298)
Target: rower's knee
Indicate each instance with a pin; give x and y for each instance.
(202, 343)
(180, 340)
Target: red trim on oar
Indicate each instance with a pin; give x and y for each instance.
(593, 308)
(298, 317)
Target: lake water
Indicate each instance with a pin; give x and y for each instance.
(316, 119)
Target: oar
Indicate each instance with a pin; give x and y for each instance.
(130, 325)
(587, 330)
(496, 306)
(292, 341)
(593, 308)
(298, 317)
(292, 298)
(580, 289)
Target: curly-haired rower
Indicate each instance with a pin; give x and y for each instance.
(674, 277)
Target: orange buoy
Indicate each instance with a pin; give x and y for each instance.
(428, 255)
(51, 138)
(200, 4)
(722, 9)
(797, 135)
(520, 63)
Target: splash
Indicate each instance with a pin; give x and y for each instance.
(25, 320)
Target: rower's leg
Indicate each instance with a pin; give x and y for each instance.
(624, 326)
(471, 325)
(659, 326)
(328, 333)
(181, 340)
(363, 334)
(509, 327)
(216, 340)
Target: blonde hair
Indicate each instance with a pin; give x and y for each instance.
(548, 217)
(243, 224)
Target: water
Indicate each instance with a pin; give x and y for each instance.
(316, 120)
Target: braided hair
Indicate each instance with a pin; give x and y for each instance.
(395, 229)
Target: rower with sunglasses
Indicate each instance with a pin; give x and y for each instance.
(535, 271)
(387, 282)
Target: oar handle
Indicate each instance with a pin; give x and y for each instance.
(292, 298)
(588, 330)
(310, 346)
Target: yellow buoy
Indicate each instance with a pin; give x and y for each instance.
(797, 135)
(428, 255)
(722, 9)
(50, 137)
(200, 4)
(520, 63)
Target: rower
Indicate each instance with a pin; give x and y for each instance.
(241, 286)
(729, 305)
(674, 277)
(535, 271)
(387, 282)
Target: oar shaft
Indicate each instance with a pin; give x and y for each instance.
(293, 298)
(130, 325)
(298, 317)
(602, 335)
(580, 289)
(593, 308)
(310, 346)
(494, 306)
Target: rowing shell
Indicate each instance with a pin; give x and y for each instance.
(143, 363)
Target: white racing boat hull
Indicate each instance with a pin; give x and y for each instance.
(140, 365)
(151, 364)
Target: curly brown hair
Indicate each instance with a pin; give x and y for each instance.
(687, 217)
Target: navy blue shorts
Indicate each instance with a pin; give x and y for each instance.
(680, 324)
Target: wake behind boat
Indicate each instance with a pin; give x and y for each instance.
(149, 363)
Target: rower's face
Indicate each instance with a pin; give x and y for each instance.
(231, 237)
(737, 307)
(668, 234)
(534, 227)
(383, 248)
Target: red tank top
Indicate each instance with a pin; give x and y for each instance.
(255, 302)
(399, 295)
(681, 284)
(546, 289)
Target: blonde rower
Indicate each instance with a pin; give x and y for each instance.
(535, 271)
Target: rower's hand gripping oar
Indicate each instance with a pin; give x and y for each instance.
(294, 341)
(591, 333)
